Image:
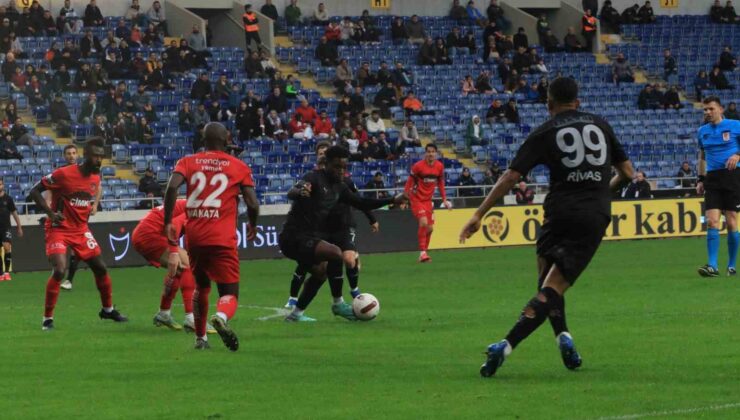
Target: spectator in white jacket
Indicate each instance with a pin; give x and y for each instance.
(374, 123)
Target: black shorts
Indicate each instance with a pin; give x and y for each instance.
(722, 190)
(5, 235)
(570, 243)
(344, 239)
(300, 247)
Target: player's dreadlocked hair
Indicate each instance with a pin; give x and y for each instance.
(94, 142)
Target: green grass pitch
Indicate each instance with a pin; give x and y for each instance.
(655, 338)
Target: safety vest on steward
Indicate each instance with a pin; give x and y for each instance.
(592, 23)
(251, 24)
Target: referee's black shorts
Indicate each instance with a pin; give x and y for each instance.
(570, 243)
(722, 190)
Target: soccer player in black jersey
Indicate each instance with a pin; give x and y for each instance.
(7, 209)
(302, 237)
(579, 149)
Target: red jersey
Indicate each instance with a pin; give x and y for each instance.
(73, 194)
(423, 179)
(153, 222)
(214, 181)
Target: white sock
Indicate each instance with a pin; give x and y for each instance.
(189, 317)
(165, 312)
(356, 289)
(293, 298)
(564, 333)
(46, 318)
(507, 349)
(108, 310)
(222, 316)
(338, 300)
(297, 312)
(204, 338)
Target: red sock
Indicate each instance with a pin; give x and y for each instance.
(52, 292)
(187, 287)
(422, 234)
(106, 290)
(171, 284)
(227, 304)
(200, 299)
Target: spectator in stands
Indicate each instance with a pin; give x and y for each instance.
(646, 13)
(90, 46)
(474, 135)
(413, 105)
(401, 76)
(399, 33)
(360, 134)
(110, 41)
(729, 13)
(99, 77)
(298, 128)
(466, 181)
(483, 83)
(374, 123)
(512, 112)
(524, 194)
(307, 112)
(647, 98)
(137, 37)
(24, 26)
(427, 53)
(135, 15)
(408, 137)
(521, 40)
(223, 88)
(454, 42)
(458, 12)
(144, 132)
(253, 65)
(268, 9)
(48, 24)
(415, 30)
(320, 15)
(611, 17)
(365, 76)
(630, 15)
(727, 61)
(201, 89)
(469, 42)
(185, 117)
(216, 113)
(89, 110)
(200, 115)
(333, 33)
(103, 130)
(468, 85)
(385, 99)
(61, 120)
(68, 9)
(512, 83)
(490, 52)
(671, 99)
(490, 176)
(572, 43)
(148, 183)
(8, 149)
(638, 188)
(357, 102)
(11, 113)
(496, 112)
(156, 15)
(18, 80)
(343, 76)
(384, 75)
(277, 102)
(276, 126)
(588, 29)
(140, 98)
(93, 16)
(687, 176)
(347, 31)
(326, 52)
(322, 126)
(83, 79)
(376, 183)
(731, 112)
(670, 67)
(522, 60)
(701, 82)
(717, 13)
(258, 127)
(474, 15)
(152, 37)
(496, 14)
(292, 13)
(150, 113)
(442, 53)
(621, 70)
(344, 107)
(242, 121)
(718, 80)
(542, 27)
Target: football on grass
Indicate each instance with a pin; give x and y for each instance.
(365, 306)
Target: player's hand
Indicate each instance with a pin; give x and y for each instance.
(470, 228)
(731, 163)
(93, 210)
(306, 190)
(447, 204)
(700, 188)
(20, 232)
(400, 198)
(170, 231)
(173, 263)
(251, 232)
(56, 218)
(375, 227)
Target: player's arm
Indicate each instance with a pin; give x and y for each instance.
(302, 188)
(442, 192)
(505, 183)
(701, 172)
(364, 203)
(96, 203)
(625, 173)
(170, 230)
(18, 224)
(410, 182)
(253, 209)
(41, 203)
(368, 213)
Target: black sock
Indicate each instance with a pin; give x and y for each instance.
(73, 263)
(336, 277)
(8, 262)
(353, 275)
(557, 314)
(310, 288)
(533, 315)
(297, 281)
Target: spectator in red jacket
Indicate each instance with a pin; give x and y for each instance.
(333, 33)
(307, 112)
(322, 126)
(524, 194)
(297, 127)
(360, 134)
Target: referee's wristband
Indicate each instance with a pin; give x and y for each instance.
(700, 178)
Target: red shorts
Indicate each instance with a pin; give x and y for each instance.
(219, 264)
(150, 245)
(423, 209)
(83, 243)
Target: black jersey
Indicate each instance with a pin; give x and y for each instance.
(7, 206)
(579, 149)
(341, 216)
(311, 214)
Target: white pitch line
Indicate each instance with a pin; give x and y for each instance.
(664, 413)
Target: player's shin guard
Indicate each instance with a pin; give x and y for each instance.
(106, 290)
(712, 246)
(200, 310)
(171, 284)
(733, 241)
(187, 288)
(422, 234)
(312, 286)
(353, 276)
(226, 307)
(557, 314)
(533, 315)
(52, 293)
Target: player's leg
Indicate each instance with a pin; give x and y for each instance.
(733, 241)
(423, 233)
(712, 217)
(171, 285)
(221, 265)
(313, 253)
(310, 289)
(299, 276)
(8, 259)
(58, 262)
(353, 276)
(335, 274)
(74, 262)
(200, 307)
(228, 302)
(430, 228)
(105, 288)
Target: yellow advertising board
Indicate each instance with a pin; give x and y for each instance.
(668, 4)
(20, 4)
(519, 225)
(380, 4)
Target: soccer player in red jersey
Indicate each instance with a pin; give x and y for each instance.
(149, 242)
(214, 180)
(73, 191)
(425, 176)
